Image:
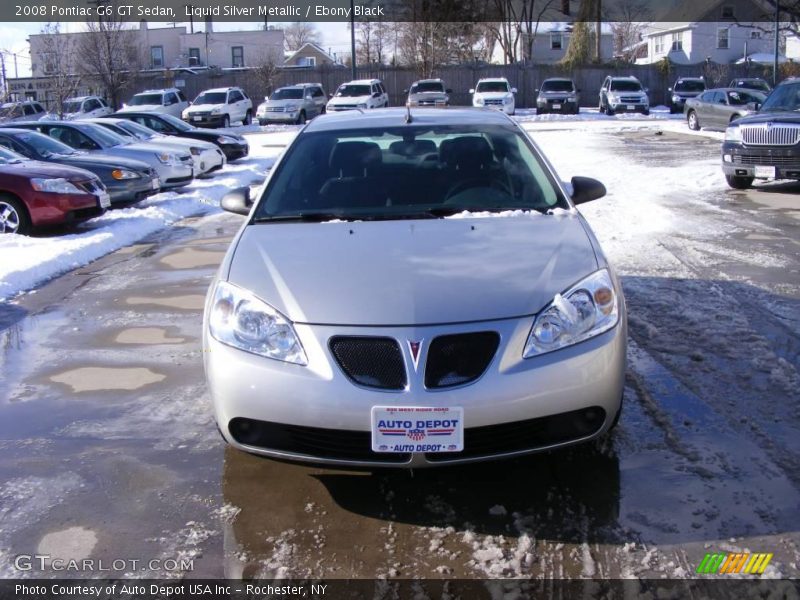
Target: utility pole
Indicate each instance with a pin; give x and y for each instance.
(3, 69)
(777, 45)
(353, 39)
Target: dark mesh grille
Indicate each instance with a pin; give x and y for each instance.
(371, 361)
(459, 359)
(310, 441)
(526, 435)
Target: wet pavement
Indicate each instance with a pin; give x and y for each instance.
(109, 450)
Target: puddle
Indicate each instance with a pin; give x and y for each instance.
(75, 543)
(146, 335)
(190, 258)
(91, 379)
(188, 302)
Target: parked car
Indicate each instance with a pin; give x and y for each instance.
(126, 180)
(85, 107)
(361, 93)
(557, 94)
(170, 101)
(428, 92)
(494, 92)
(716, 108)
(683, 89)
(233, 145)
(499, 337)
(29, 110)
(623, 94)
(206, 156)
(219, 107)
(765, 145)
(751, 83)
(36, 194)
(293, 104)
(174, 168)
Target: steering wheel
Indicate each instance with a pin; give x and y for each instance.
(495, 184)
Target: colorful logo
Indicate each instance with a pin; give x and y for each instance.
(416, 434)
(724, 563)
(414, 348)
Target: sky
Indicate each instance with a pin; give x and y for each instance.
(335, 37)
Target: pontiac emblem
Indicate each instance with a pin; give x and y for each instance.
(413, 348)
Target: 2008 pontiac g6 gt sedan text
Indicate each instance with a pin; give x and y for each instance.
(414, 290)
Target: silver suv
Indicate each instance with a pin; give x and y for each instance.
(623, 94)
(428, 92)
(293, 104)
(28, 110)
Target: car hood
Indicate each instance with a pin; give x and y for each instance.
(86, 161)
(349, 99)
(142, 108)
(428, 96)
(492, 95)
(204, 107)
(686, 94)
(412, 272)
(154, 148)
(558, 94)
(771, 117)
(35, 168)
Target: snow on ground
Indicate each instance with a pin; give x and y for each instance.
(33, 260)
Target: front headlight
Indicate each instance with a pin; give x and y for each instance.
(216, 111)
(361, 105)
(185, 114)
(121, 174)
(290, 107)
(676, 98)
(195, 150)
(241, 320)
(508, 99)
(167, 159)
(55, 186)
(226, 139)
(613, 98)
(586, 310)
(478, 101)
(733, 134)
(572, 98)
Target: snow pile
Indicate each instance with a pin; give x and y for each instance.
(30, 261)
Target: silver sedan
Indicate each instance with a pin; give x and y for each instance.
(414, 292)
(716, 108)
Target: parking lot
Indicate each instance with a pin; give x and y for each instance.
(110, 450)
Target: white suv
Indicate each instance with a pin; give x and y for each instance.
(361, 93)
(219, 107)
(85, 107)
(169, 101)
(494, 92)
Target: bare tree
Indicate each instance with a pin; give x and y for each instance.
(297, 34)
(627, 26)
(530, 17)
(58, 56)
(372, 39)
(507, 30)
(110, 51)
(265, 73)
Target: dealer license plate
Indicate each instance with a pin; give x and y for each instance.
(631, 107)
(767, 172)
(556, 106)
(104, 200)
(417, 429)
(156, 183)
(197, 118)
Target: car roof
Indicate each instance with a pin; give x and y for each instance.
(436, 80)
(492, 79)
(221, 89)
(362, 81)
(396, 117)
(158, 91)
(558, 79)
(691, 79)
(628, 77)
(17, 130)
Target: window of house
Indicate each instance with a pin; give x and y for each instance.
(308, 61)
(156, 57)
(677, 42)
(556, 41)
(237, 56)
(658, 44)
(194, 57)
(722, 38)
(755, 35)
(727, 12)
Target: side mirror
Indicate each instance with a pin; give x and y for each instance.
(237, 201)
(753, 105)
(471, 90)
(535, 89)
(669, 89)
(405, 91)
(513, 90)
(586, 189)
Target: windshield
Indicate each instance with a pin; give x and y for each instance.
(689, 86)
(9, 156)
(626, 86)
(753, 85)
(419, 171)
(104, 137)
(212, 98)
(176, 122)
(133, 128)
(491, 86)
(739, 98)
(558, 86)
(141, 99)
(349, 91)
(9, 111)
(783, 97)
(72, 107)
(427, 86)
(44, 145)
(287, 94)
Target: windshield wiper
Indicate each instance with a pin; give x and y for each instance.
(307, 217)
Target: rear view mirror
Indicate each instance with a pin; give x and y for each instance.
(237, 201)
(586, 189)
(471, 90)
(513, 90)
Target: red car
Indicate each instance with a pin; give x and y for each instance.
(36, 194)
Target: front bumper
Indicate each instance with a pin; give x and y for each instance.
(741, 160)
(234, 150)
(277, 117)
(54, 209)
(328, 416)
(208, 160)
(205, 120)
(625, 107)
(564, 106)
(130, 190)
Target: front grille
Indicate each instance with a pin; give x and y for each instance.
(460, 358)
(371, 361)
(310, 441)
(526, 435)
(770, 134)
(342, 107)
(498, 102)
(91, 186)
(630, 100)
(203, 115)
(275, 109)
(766, 159)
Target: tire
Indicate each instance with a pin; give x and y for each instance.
(738, 182)
(226, 121)
(609, 111)
(324, 110)
(262, 122)
(14, 216)
(673, 109)
(577, 110)
(301, 118)
(248, 118)
(538, 112)
(692, 121)
(600, 108)
(646, 112)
